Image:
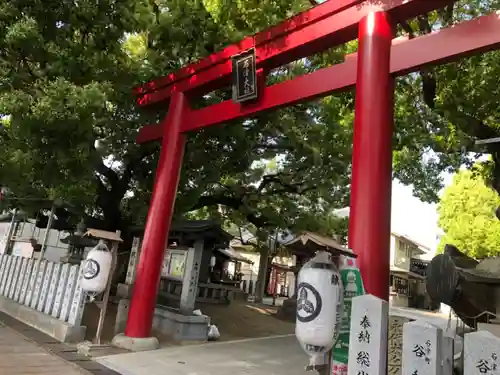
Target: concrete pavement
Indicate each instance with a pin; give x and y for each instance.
(21, 356)
(278, 355)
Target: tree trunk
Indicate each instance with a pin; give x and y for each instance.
(269, 274)
(261, 277)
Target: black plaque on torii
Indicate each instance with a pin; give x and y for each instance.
(244, 76)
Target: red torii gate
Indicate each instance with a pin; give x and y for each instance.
(371, 69)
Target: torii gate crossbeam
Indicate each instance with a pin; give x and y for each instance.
(324, 26)
(407, 55)
(372, 70)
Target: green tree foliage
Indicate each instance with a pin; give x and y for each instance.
(467, 216)
(66, 70)
(66, 85)
(454, 104)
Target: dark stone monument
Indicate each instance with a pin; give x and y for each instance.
(464, 284)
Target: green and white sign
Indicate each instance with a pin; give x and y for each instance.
(353, 286)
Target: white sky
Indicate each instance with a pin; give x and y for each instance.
(412, 217)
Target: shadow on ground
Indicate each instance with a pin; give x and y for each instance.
(238, 320)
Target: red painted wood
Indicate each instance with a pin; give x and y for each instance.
(465, 39)
(370, 209)
(301, 20)
(143, 301)
(318, 34)
(478, 35)
(371, 181)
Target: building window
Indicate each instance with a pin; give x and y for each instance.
(400, 285)
(406, 248)
(401, 245)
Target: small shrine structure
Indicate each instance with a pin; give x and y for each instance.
(303, 247)
(194, 270)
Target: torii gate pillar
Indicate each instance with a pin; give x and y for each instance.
(370, 211)
(371, 180)
(140, 318)
(329, 24)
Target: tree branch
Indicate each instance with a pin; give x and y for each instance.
(407, 28)
(447, 14)
(424, 25)
(293, 189)
(132, 165)
(264, 146)
(236, 203)
(277, 178)
(111, 176)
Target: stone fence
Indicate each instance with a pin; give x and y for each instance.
(43, 294)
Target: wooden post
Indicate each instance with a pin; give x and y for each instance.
(105, 298)
(47, 234)
(145, 291)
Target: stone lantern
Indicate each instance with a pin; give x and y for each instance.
(77, 243)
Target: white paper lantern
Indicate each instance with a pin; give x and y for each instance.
(96, 269)
(319, 306)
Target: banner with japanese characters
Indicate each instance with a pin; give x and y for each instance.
(353, 286)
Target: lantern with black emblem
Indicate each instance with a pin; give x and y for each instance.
(96, 269)
(319, 306)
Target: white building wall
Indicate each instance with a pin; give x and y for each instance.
(402, 254)
(4, 231)
(55, 248)
(393, 250)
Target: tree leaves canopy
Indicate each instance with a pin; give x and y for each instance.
(67, 67)
(467, 216)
